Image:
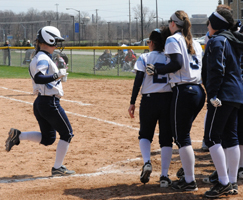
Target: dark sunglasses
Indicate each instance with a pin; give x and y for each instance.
(169, 21)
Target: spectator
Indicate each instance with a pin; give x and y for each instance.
(130, 57)
(28, 44)
(6, 53)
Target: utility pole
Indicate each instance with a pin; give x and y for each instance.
(136, 27)
(96, 27)
(237, 9)
(142, 21)
(157, 21)
(129, 24)
(109, 38)
(57, 14)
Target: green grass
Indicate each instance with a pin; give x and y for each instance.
(23, 72)
(82, 64)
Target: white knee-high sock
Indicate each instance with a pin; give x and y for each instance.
(145, 147)
(241, 156)
(233, 158)
(188, 161)
(62, 148)
(31, 136)
(219, 160)
(226, 160)
(166, 154)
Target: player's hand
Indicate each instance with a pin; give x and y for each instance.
(61, 73)
(131, 110)
(150, 69)
(215, 102)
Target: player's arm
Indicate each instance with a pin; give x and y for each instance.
(216, 68)
(136, 87)
(40, 78)
(174, 65)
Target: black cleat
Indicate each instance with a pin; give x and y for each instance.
(165, 181)
(62, 171)
(182, 185)
(13, 139)
(219, 190)
(240, 173)
(146, 171)
(180, 173)
(235, 188)
(213, 178)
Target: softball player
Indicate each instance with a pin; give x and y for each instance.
(188, 95)
(46, 80)
(225, 95)
(155, 106)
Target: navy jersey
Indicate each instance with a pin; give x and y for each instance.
(223, 71)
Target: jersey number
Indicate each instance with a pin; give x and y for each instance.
(159, 78)
(194, 64)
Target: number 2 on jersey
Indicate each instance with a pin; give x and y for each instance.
(159, 78)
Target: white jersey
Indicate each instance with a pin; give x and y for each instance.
(192, 64)
(156, 83)
(44, 64)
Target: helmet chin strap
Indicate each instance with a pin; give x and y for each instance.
(61, 48)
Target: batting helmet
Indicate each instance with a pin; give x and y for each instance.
(49, 35)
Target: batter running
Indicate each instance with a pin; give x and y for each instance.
(46, 80)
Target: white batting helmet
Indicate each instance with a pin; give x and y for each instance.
(49, 35)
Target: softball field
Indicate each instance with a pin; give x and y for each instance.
(104, 151)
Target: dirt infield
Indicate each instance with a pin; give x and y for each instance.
(104, 152)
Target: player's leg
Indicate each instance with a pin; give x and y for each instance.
(216, 121)
(15, 135)
(57, 120)
(188, 101)
(148, 119)
(240, 137)
(165, 138)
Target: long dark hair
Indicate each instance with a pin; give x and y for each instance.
(186, 29)
(159, 37)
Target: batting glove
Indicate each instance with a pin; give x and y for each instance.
(150, 69)
(215, 102)
(61, 73)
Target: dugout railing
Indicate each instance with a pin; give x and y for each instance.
(80, 59)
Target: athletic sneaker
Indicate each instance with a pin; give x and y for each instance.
(240, 173)
(213, 178)
(184, 186)
(219, 190)
(235, 188)
(204, 146)
(62, 171)
(180, 173)
(146, 171)
(165, 181)
(13, 139)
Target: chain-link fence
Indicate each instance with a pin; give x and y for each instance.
(107, 60)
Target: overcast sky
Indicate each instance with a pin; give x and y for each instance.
(112, 10)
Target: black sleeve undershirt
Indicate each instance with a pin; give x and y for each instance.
(136, 86)
(42, 79)
(175, 64)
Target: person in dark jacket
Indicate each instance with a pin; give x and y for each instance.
(223, 83)
(6, 53)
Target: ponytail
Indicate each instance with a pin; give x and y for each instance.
(186, 30)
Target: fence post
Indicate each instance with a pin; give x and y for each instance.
(71, 60)
(94, 61)
(9, 57)
(21, 57)
(118, 62)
